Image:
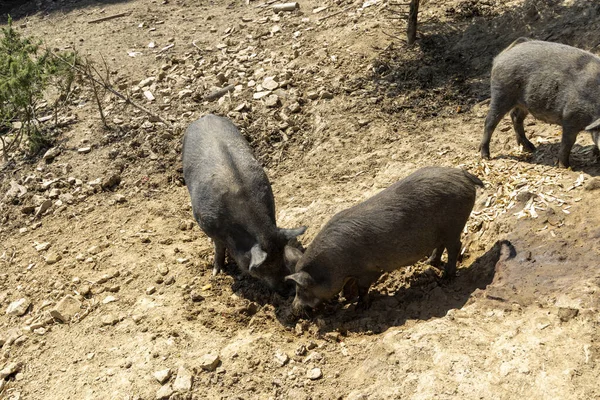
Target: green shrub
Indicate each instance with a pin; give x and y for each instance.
(25, 72)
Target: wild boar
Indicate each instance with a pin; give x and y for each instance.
(556, 83)
(232, 200)
(419, 215)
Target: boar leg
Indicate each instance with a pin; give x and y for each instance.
(518, 116)
(569, 136)
(453, 252)
(364, 283)
(498, 109)
(219, 257)
(436, 256)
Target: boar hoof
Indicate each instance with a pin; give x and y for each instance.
(528, 147)
(216, 270)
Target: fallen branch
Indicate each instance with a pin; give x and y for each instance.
(219, 93)
(113, 91)
(335, 13)
(95, 21)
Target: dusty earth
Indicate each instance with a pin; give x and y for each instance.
(107, 294)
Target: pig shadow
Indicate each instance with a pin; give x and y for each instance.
(429, 298)
(582, 157)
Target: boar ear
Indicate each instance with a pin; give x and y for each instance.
(291, 255)
(301, 278)
(257, 257)
(593, 126)
(288, 234)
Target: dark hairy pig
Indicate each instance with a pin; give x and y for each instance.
(232, 200)
(420, 215)
(556, 83)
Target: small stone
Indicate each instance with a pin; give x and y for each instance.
(269, 83)
(53, 258)
(150, 290)
(196, 297)
(162, 269)
(566, 314)
(313, 357)
(146, 82)
(281, 359)
(592, 184)
(326, 95)
(163, 375)
(84, 150)
(43, 207)
(183, 260)
(42, 246)
(170, 280)
(149, 95)
(314, 374)
(85, 290)
(109, 299)
(119, 198)
(109, 319)
(183, 381)
(260, 95)
(312, 95)
(272, 100)
(209, 362)
(110, 182)
(66, 309)
(294, 107)
(164, 392)
(39, 331)
(51, 154)
(10, 369)
(18, 307)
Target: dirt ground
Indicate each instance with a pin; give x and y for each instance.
(354, 111)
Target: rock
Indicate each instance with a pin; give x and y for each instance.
(313, 357)
(170, 280)
(162, 269)
(109, 299)
(272, 100)
(148, 94)
(51, 154)
(18, 307)
(85, 290)
(15, 191)
(119, 198)
(109, 319)
(592, 184)
(43, 208)
(281, 359)
(84, 150)
(164, 392)
(314, 374)
(42, 246)
(326, 95)
(53, 258)
(260, 95)
(150, 290)
(40, 331)
(566, 314)
(10, 369)
(269, 83)
(110, 182)
(209, 362)
(183, 381)
(294, 107)
(146, 82)
(196, 297)
(312, 95)
(66, 309)
(163, 375)
(54, 193)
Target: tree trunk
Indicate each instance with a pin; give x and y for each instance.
(411, 31)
